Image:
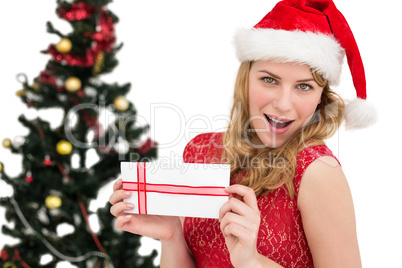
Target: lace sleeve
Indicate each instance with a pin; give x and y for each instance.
(204, 148)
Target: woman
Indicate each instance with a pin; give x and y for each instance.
(290, 203)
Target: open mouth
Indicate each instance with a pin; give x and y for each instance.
(278, 123)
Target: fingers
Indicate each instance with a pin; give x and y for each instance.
(238, 218)
(247, 193)
(236, 206)
(118, 193)
(118, 196)
(118, 185)
(119, 208)
(243, 216)
(232, 218)
(159, 227)
(124, 222)
(116, 199)
(242, 233)
(246, 208)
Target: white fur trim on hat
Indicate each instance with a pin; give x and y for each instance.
(359, 113)
(319, 51)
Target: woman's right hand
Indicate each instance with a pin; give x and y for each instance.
(164, 228)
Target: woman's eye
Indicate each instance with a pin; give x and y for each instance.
(269, 80)
(304, 87)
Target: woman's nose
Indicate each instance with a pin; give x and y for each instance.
(283, 100)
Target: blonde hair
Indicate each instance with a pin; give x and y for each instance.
(268, 169)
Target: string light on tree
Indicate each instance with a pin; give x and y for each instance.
(29, 177)
(18, 142)
(72, 84)
(122, 146)
(53, 202)
(47, 161)
(64, 147)
(121, 103)
(64, 46)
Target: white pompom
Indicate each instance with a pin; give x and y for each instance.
(359, 113)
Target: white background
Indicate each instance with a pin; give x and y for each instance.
(180, 53)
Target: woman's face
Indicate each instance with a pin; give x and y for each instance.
(282, 97)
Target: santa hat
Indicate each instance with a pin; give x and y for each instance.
(312, 32)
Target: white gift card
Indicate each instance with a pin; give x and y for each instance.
(191, 190)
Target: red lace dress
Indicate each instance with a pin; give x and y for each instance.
(281, 237)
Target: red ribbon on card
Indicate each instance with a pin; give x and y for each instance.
(142, 188)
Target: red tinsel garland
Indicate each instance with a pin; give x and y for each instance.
(46, 77)
(77, 11)
(104, 38)
(86, 60)
(18, 258)
(4, 255)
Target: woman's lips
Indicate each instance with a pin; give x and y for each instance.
(278, 126)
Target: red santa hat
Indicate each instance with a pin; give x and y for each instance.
(312, 32)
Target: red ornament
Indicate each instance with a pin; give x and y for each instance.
(29, 178)
(80, 93)
(47, 161)
(146, 146)
(4, 255)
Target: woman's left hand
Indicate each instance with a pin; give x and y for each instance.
(239, 223)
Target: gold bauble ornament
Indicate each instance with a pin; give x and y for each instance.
(9, 265)
(64, 46)
(7, 143)
(35, 86)
(72, 84)
(1, 167)
(121, 103)
(21, 93)
(63, 147)
(53, 201)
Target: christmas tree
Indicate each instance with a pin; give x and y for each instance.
(56, 185)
